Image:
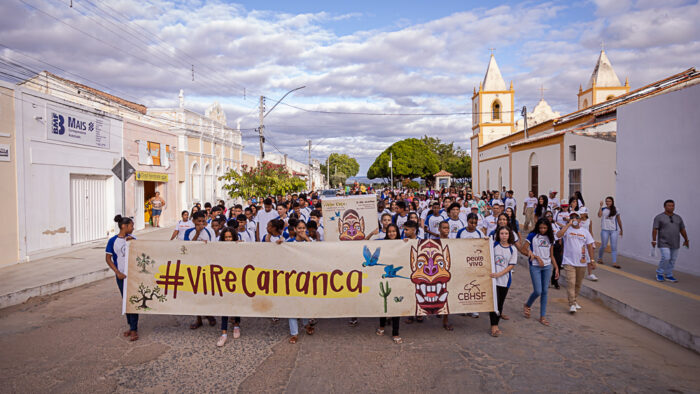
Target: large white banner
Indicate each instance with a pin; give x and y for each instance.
(77, 127)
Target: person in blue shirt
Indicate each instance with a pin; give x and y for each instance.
(117, 252)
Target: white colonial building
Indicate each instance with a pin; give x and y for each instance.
(207, 149)
(569, 153)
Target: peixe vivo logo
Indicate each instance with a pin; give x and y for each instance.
(59, 124)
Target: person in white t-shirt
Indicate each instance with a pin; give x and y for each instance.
(471, 230)
(577, 240)
(454, 222)
(586, 223)
(117, 256)
(541, 242)
(490, 221)
(265, 216)
(505, 257)
(610, 229)
(510, 201)
(529, 210)
(199, 232)
(553, 201)
(433, 220)
(182, 226)
(245, 234)
(251, 223)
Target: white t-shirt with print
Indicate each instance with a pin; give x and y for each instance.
(455, 226)
(510, 203)
(503, 257)
(263, 218)
(540, 246)
(607, 222)
(530, 202)
(181, 227)
(575, 241)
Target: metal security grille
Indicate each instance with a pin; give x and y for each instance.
(88, 208)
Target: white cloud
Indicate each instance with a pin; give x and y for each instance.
(401, 67)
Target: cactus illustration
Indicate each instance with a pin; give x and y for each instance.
(384, 292)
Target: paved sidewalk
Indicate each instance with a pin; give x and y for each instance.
(668, 309)
(74, 267)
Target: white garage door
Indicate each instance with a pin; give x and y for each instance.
(88, 208)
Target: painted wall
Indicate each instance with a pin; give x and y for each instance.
(657, 159)
(9, 238)
(596, 159)
(133, 132)
(45, 168)
(547, 159)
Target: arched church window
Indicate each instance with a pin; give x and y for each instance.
(496, 110)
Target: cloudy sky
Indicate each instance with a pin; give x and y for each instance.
(369, 57)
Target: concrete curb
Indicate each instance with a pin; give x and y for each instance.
(23, 295)
(676, 334)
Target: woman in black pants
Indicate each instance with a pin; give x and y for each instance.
(558, 247)
(392, 232)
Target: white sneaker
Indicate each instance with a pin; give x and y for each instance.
(222, 340)
(592, 277)
(572, 309)
(577, 306)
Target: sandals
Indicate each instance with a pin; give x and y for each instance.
(134, 336)
(236, 332)
(126, 333)
(504, 316)
(196, 325)
(275, 320)
(526, 311)
(309, 329)
(293, 339)
(212, 321)
(617, 266)
(353, 322)
(380, 331)
(496, 333)
(544, 321)
(397, 340)
(448, 327)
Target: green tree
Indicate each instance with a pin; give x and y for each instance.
(338, 179)
(453, 159)
(411, 160)
(340, 164)
(264, 180)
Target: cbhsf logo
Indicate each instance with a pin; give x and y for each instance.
(58, 124)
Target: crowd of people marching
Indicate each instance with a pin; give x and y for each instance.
(555, 237)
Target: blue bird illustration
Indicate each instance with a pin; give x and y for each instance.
(337, 216)
(370, 259)
(390, 272)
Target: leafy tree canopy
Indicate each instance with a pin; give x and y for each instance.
(341, 163)
(411, 160)
(264, 180)
(453, 159)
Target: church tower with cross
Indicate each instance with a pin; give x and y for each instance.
(603, 84)
(493, 106)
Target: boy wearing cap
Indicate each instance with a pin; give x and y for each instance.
(577, 240)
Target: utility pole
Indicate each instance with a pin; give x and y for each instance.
(391, 167)
(261, 128)
(310, 166)
(328, 171)
(524, 114)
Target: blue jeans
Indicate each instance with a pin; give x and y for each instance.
(131, 318)
(294, 325)
(540, 285)
(668, 260)
(606, 235)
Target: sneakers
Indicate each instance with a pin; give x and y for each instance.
(572, 309)
(671, 279)
(577, 306)
(659, 277)
(592, 277)
(222, 340)
(236, 332)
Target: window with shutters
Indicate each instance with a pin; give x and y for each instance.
(154, 152)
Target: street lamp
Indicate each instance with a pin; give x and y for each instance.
(263, 114)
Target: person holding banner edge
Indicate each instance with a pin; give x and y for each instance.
(117, 259)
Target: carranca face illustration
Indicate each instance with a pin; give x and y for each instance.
(430, 272)
(351, 226)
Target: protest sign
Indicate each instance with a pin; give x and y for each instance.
(313, 280)
(349, 218)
